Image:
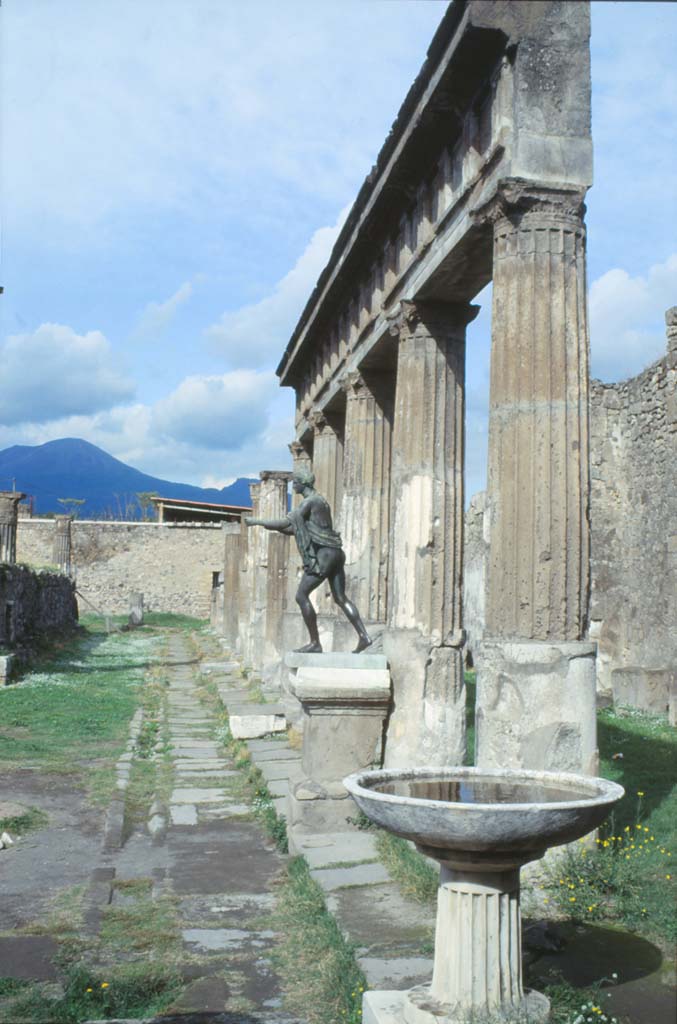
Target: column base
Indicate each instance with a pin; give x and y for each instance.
(409, 1008)
(427, 725)
(536, 706)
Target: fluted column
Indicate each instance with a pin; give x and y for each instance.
(233, 537)
(293, 629)
(538, 490)
(538, 420)
(478, 963)
(427, 469)
(62, 549)
(424, 596)
(365, 508)
(246, 590)
(9, 505)
(270, 580)
(301, 460)
(328, 470)
(327, 459)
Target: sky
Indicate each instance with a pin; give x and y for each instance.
(173, 176)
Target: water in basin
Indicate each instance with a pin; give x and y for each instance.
(478, 789)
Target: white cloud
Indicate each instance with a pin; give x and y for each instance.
(54, 372)
(158, 315)
(259, 332)
(220, 412)
(627, 326)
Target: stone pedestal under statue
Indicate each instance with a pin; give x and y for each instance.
(345, 699)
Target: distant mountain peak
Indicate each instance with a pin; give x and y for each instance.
(70, 467)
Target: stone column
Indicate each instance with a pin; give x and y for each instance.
(327, 459)
(269, 582)
(365, 509)
(246, 587)
(536, 687)
(424, 641)
(328, 469)
(293, 630)
(9, 505)
(231, 580)
(62, 547)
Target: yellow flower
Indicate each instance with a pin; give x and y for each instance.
(572, 899)
(88, 990)
(640, 792)
(668, 877)
(104, 984)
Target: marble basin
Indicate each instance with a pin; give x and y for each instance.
(481, 825)
(499, 815)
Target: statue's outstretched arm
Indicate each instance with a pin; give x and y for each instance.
(280, 525)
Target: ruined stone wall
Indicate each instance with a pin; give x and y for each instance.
(171, 564)
(634, 534)
(633, 510)
(32, 603)
(475, 561)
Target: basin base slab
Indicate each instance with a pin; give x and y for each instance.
(409, 1008)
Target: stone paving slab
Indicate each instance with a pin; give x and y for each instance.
(274, 770)
(268, 743)
(278, 787)
(359, 875)
(183, 814)
(380, 919)
(197, 795)
(337, 848)
(398, 973)
(196, 752)
(281, 752)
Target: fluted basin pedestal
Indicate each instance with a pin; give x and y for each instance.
(481, 826)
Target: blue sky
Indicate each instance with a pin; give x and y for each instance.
(173, 178)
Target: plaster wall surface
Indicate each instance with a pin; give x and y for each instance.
(171, 564)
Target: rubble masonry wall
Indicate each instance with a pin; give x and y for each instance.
(171, 564)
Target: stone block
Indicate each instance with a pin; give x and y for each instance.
(335, 659)
(536, 707)
(256, 720)
(7, 664)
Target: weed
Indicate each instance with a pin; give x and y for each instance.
(136, 990)
(323, 983)
(33, 819)
(412, 872)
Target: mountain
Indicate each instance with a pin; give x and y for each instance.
(72, 468)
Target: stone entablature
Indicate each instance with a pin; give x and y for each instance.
(482, 111)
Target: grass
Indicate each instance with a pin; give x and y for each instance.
(33, 819)
(134, 990)
(74, 705)
(323, 984)
(255, 790)
(410, 870)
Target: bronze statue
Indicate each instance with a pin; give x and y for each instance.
(322, 555)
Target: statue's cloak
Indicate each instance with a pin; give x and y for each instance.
(310, 537)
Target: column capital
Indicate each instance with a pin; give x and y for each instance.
(516, 200)
(276, 474)
(319, 422)
(354, 385)
(298, 451)
(430, 318)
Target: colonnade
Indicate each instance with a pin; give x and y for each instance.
(387, 451)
